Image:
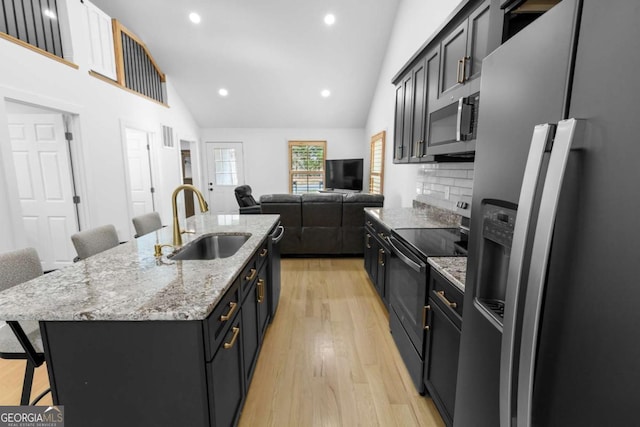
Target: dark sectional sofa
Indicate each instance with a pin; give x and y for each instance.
(321, 223)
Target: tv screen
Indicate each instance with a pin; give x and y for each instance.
(344, 174)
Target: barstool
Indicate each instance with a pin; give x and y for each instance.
(146, 223)
(22, 339)
(94, 241)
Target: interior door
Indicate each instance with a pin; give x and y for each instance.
(225, 171)
(43, 173)
(140, 178)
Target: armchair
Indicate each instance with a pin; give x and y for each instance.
(247, 204)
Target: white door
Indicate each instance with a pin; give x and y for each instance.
(41, 159)
(140, 182)
(225, 171)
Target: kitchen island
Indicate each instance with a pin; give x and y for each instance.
(131, 339)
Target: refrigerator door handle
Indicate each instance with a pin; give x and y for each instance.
(569, 133)
(540, 141)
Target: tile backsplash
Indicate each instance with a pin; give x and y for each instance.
(445, 184)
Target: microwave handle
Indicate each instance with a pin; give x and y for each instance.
(459, 119)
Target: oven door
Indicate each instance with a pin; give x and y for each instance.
(408, 291)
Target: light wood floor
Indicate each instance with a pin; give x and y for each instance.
(327, 360)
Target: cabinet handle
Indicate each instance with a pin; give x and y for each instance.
(445, 300)
(424, 317)
(260, 291)
(459, 76)
(381, 256)
(232, 309)
(252, 274)
(264, 252)
(368, 241)
(464, 68)
(399, 152)
(381, 235)
(234, 338)
(369, 223)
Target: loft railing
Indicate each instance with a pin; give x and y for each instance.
(34, 22)
(135, 67)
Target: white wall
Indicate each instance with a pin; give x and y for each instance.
(266, 151)
(102, 110)
(416, 21)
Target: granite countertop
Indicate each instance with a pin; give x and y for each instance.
(410, 218)
(453, 268)
(128, 283)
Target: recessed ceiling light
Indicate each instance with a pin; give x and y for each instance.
(325, 93)
(329, 19)
(49, 13)
(223, 92)
(195, 18)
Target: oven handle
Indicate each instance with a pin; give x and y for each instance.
(418, 266)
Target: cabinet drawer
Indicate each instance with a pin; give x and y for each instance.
(248, 275)
(376, 227)
(263, 254)
(447, 295)
(221, 317)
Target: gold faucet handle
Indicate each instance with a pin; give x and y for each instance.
(157, 249)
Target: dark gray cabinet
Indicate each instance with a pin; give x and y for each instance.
(454, 54)
(447, 69)
(463, 51)
(376, 256)
(262, 302)
(410, 114)
(255, 308)
(419, 104)
(225, 378)
(250, 335)
(444, 323)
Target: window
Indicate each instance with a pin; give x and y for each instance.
(226, 172)
(376, 177)
(306, 166)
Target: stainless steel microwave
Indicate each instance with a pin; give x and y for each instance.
(452, 129)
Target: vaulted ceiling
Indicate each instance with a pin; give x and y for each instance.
(273, 56)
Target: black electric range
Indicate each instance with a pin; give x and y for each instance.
(433, 242)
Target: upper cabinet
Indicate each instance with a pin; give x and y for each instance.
(437, 93)
(463, 51)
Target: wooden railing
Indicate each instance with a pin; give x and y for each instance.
(135, 67)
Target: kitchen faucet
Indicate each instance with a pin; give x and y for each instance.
(204, 207)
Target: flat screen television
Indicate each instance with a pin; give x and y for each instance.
(345, 174)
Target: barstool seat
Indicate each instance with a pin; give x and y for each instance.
(94, 241)
(146, 223)
(22, 340)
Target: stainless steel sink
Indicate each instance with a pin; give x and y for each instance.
(211, 246)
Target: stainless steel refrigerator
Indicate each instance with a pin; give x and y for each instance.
(550, 333)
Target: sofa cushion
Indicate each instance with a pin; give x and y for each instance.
(353, 205)
(322, 210)
(287, 205)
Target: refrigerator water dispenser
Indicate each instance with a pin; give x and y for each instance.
(498, 219)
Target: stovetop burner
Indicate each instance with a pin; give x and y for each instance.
(434, 242)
